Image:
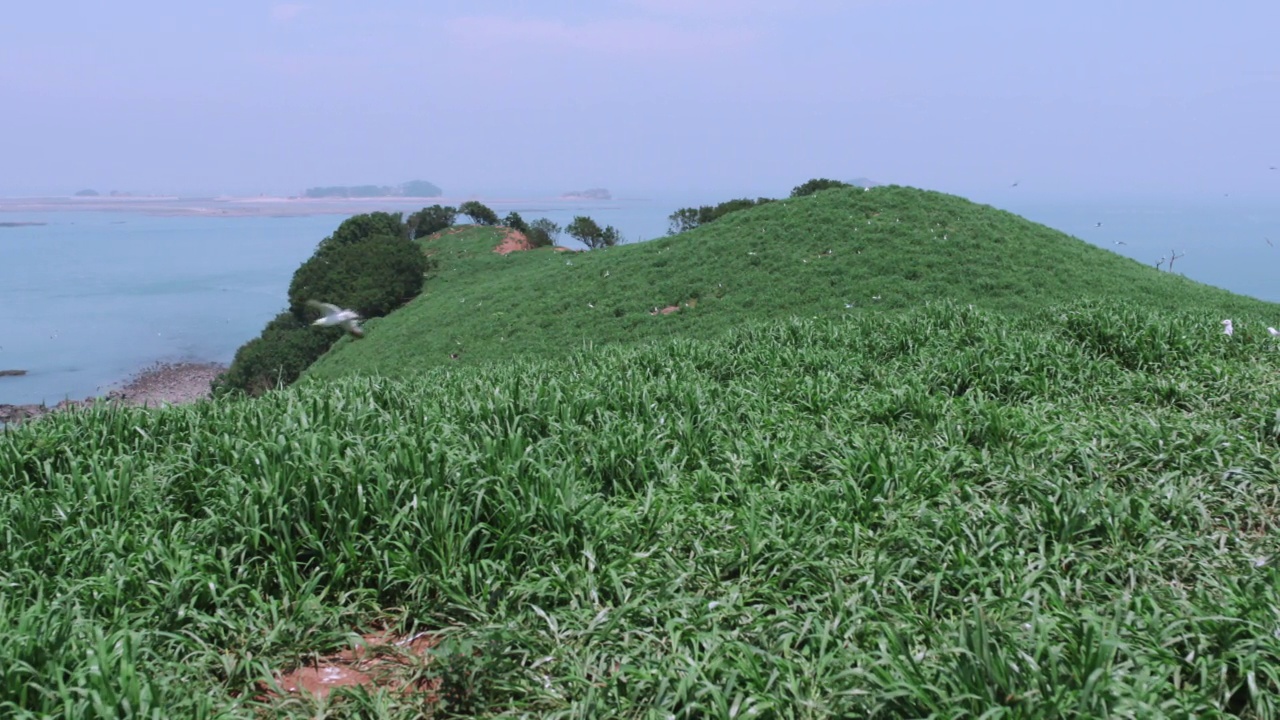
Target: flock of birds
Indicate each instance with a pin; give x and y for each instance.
(1229, 329)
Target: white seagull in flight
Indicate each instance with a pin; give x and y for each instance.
(334, 315)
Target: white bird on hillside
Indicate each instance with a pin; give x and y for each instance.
(1274, 332)
(1227, 329)
(334, 315)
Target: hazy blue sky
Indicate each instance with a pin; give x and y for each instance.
(645, 97)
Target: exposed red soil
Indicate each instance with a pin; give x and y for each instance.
(690, 303)
(379, 659)
(513, 241)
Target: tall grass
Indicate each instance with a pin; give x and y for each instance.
(950, 512)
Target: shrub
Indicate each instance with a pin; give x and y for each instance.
(479, 213)
(372, 277)
(354, 268)
(286, 347)
(686, 219)
(431, 220)
(589, 233)
(360, 227)
(816, 185)
(515, 222)
(543, 232)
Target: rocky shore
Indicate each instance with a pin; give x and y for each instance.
(160, 384)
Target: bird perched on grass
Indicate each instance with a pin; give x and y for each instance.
(334, 315)
(1227, 328)
(1273, 332)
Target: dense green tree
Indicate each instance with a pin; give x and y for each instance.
(816, 185)
(589, 233)
(543, 232)
(515, 222)
(372, 277)
(359, 227)
(479, 213)
(286, 347)
(431, 220)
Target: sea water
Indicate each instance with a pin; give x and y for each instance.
(91, 297)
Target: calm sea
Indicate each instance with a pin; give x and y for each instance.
(91, 297)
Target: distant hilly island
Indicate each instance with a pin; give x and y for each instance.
(413, 188)
(588, 194)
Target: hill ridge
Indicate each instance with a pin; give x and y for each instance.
(844, 250)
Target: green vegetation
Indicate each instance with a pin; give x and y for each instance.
(589, 233)
(947, 511)
(543, 232)
(809, 256)
(430, 220)
(816, 185)
(686, 219)
(896, 455)
(366, 265)
(479, 213)
(515, 222)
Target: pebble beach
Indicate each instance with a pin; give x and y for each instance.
(154, 386)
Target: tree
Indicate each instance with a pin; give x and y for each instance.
(543, 232)
(431, 220)
(686, 219)
(359, 227)
(816, 185)
(372, 277)
(479, 213)
(589, 233)
(515, 222)
(286, 347)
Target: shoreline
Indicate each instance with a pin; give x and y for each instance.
(157, 385)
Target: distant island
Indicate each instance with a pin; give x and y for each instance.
(21, 224)
(413, 188)
(88, 193)
(589, 194)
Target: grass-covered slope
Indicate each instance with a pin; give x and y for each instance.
(943, 513)
(808, 256)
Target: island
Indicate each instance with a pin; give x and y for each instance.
(588, 194)
(413, 188)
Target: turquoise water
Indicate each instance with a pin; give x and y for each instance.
(92, 297)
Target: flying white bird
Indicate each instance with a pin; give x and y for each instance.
(1274, 332)
(334, 315)
(1227, 329)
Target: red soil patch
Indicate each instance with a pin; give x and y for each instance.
(378, 659)
(690, 303)
(513, 241)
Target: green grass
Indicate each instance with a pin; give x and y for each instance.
(944, 511)
(906, 246)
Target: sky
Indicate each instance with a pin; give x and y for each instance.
(649, 98)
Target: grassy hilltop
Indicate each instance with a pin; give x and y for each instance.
(808, 256)
(1061, 502)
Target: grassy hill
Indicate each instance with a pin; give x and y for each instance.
(807, 257)
(946, 511)
(1026, 508)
